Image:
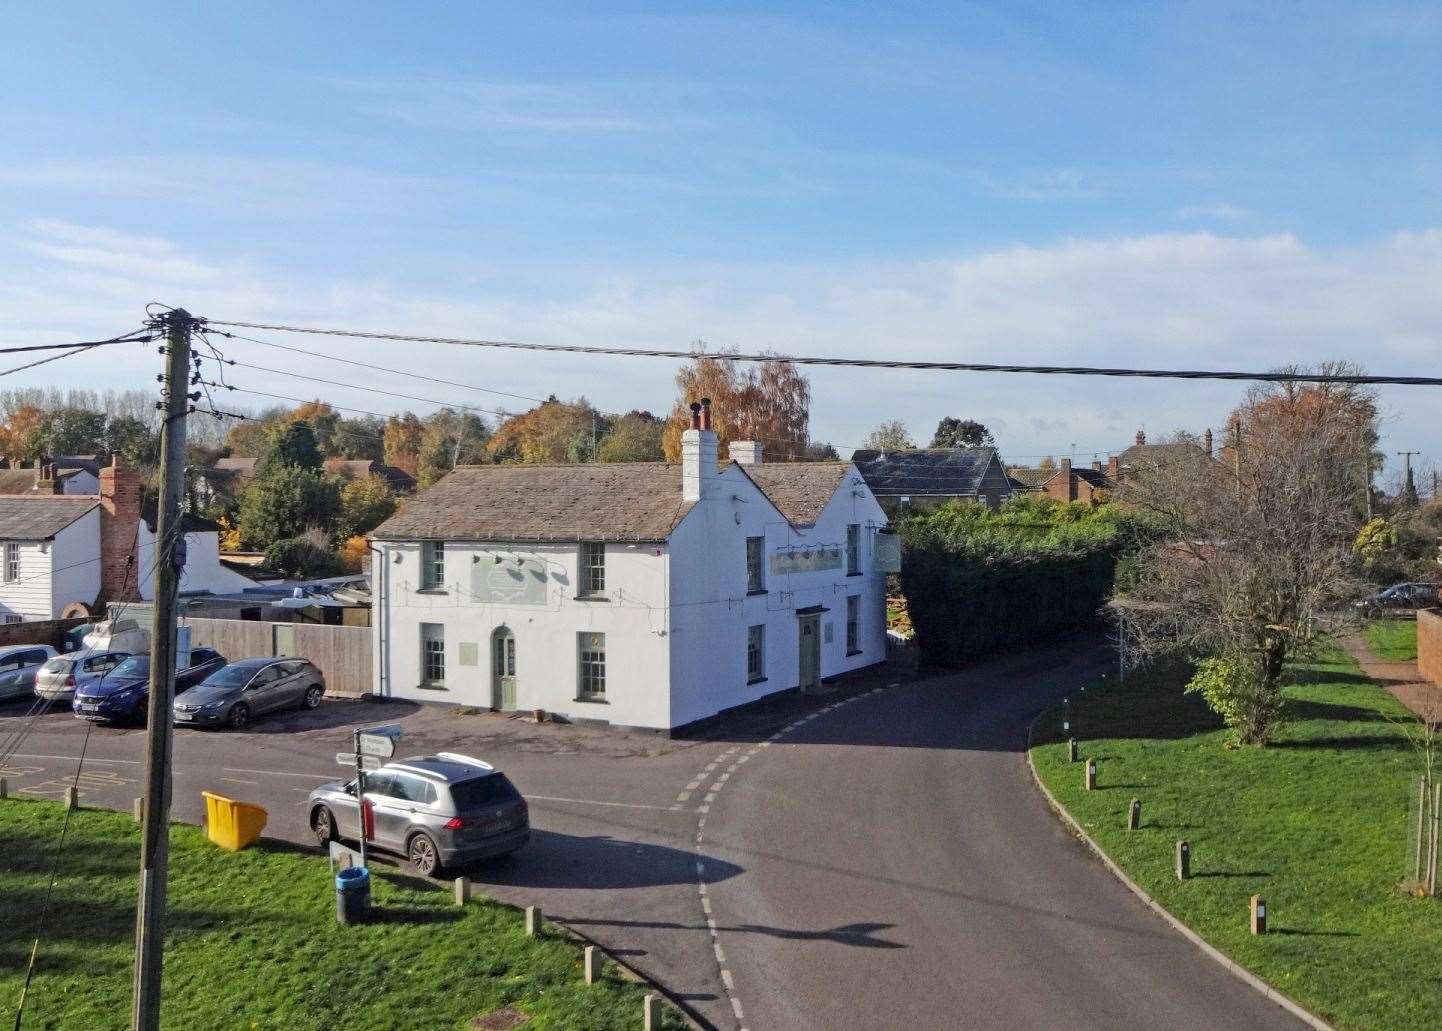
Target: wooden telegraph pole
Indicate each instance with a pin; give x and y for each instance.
(168, 562)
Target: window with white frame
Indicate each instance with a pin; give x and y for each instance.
(853, 620)
(755, 565)
(13, 617)
(853, 549)
(12, 561)
(755, 653)
(433, 654)
(433, 565)
(593, 568)
(591, 669)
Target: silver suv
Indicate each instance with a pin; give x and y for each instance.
(436, 810)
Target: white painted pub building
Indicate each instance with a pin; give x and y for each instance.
(646, 595)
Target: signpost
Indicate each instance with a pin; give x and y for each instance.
(372, 745)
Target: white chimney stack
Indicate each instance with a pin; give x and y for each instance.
(746, 452)
(698, 454)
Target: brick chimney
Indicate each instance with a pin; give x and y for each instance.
(120, 495)
(1068, 483)
(1207, 441)
(45, 480)
(745, 452)
(1114, 472)
(1096, 465)
(698, 454)
(1141, 437)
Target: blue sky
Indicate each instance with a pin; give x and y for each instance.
(1153, 184)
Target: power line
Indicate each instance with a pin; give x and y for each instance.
(863, 363)
(136, 336)
(69, 350)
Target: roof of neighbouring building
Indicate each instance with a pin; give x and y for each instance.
(1028, 476)
(191, 523)
(41, 517)
(799, 489)
(948, 472)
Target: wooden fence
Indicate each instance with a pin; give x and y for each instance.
(1429, 644)
(343, 653)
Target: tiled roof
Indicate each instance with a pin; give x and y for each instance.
(638, 501)
(799, 489)
(1030, 476)
(40, 517)
(191, 523)
(948, 472)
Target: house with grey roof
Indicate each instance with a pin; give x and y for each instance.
(644, 595)
(922, 478)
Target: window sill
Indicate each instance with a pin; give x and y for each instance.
(591, 701)
(857, 573)
(592, 597)
(755, 680)
(753, 594)
(853, 652)
(431, 687)
(432, 590)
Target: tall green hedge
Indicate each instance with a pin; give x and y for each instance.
(979, 580)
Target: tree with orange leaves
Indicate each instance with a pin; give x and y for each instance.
(553, 431)
(769, 402)
(22, 434)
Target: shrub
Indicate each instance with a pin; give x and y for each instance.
(1248, 703)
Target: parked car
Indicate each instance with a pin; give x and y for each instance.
(125, 694)
(74, 639)
(62, 676)
(1401, 596)
(250, 687)
(436, 810)
(18, 665)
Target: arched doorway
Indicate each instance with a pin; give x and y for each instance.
(503, 669)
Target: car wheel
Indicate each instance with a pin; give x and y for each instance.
(238, 716)
(322, 822)
(312, 697)
(424, 856)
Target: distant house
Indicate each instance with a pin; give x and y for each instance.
(1125, 466)
(67, 474)
(1064, 482)
(637, 594)
(229, 476)
(73, 552)
(926, 477)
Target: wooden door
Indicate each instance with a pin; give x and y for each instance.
(809, 629)
(503, 679)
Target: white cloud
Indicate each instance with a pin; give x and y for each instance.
(1196, 300)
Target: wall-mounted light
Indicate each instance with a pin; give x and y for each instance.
(398, 557)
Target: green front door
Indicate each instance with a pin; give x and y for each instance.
(809, 628)
(503, 681)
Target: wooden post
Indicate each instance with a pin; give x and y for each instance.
(4, 788)
(72, 798)
(1184, 860)
(1419, 866)
(533, 921)
(463, 890)
(1259, 915)
(1071, 749)
(651, 1012)
(1091, 775)
(1134, 814)
(1436, 839)
(593, 964)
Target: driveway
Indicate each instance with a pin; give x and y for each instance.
(883, 862)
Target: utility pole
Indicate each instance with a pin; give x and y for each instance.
(1409, 486)
(1367, 474)
(169, 559)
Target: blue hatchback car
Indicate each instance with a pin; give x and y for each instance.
(124, 695)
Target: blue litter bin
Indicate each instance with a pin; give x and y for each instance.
(352, 894)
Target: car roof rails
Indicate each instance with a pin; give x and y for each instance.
(456, 757)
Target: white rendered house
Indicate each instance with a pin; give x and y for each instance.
(645, 595)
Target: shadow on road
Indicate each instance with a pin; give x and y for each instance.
(859, 935)
(345, 712)
(589, 862)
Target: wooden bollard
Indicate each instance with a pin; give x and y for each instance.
(593, 964)
(72, 798)
(463, 890)
(4, 788)
(1134, 814)
(1091, 775)
(137, 809)
(1071, 749)
(651, 1012)
(1184, 860)
(1259, 915)
(533, 921)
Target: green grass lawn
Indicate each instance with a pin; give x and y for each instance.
(254, 942)
(1393, 639)
(1317, 823)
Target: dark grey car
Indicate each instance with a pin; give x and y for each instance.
(18, 666)
(231, 696)
(436, 810)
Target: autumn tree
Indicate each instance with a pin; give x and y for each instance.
(360, 438)
(291, 443)
(634, 437)
(1258, 548)
(769, 402)
(365, 503)
(451, 438)
(402, 441)
(323, 421)
(553, 431)
(22, 435)
(891, 435)
(953, 432)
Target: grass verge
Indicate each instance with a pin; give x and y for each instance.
(1316, 823)
(254, 944)
(1393, 639)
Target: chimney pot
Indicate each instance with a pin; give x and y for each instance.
(695, 415)
(705, 413)
(1207, 441)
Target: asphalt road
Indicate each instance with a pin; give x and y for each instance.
(883, 862)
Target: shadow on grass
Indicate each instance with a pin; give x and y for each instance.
(1304, 675)
(1298, 710)
(1313, 934)
(383, 914)
(1229, 873)
(1345, 742)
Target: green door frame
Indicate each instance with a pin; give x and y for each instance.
(503, 669)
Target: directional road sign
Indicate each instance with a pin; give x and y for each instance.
(368, 762)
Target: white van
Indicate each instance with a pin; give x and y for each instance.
(118, 635)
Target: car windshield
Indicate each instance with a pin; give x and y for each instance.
(135, 666)
(231, 676)
(59, 666)
(481, 791)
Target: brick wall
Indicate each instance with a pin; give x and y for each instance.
(42, 631)
(1429, 644)
(120, 496)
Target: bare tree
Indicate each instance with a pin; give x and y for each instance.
(1257, 544)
